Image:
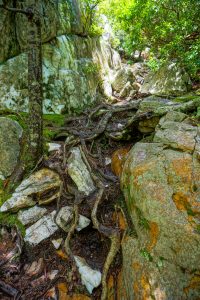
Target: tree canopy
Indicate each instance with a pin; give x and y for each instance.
(171, 28)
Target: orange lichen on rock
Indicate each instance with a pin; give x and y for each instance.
(118, 160)
(181, 201)
(154, 233)
(183, 170)
(194, 284)
(136, 267)
(146, 288)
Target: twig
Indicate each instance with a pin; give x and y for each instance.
(9, 290)
(27, 12)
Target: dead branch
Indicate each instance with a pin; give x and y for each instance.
(9, 290)
(27, 11)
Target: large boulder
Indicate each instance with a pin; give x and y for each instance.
(161, 183)
(121, 78)
(10, 134)
(169, 80)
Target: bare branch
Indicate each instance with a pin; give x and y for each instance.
(27, 12)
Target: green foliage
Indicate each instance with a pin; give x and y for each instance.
(8, 219)
(11, 220)
(90, 17)
(91, 69)
(51, 121)
(171, 28)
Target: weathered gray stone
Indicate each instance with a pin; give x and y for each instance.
(170, 79)
(79, 173)
(89, 277)
(32, 215)
(57, 243)
(54, 147)
(126, 90)
(41, 230)
(64, 218)
(176, 135)
(43, 187)
(121, 78)
(17, 202)
(10, 134)
(154, 103)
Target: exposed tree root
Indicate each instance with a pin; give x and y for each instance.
(71, 232)
(114, 248)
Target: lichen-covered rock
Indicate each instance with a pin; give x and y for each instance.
(31, 215)
(73, 68)
(41, 230)
(43, 187)
(121, 78)
(59, 17)
(176, 135)
(161, 183)
(79, 173)
(154, 103)
(148, 125)
(170, 79)
(10, 134)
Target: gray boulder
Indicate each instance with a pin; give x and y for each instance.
(169, 80)
(10, 134)
(121, 78)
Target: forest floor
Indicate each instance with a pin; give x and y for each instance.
(43, 272)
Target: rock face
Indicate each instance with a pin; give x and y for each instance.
(74, 66)
(161, 183)
(169, 80)
(61, 17)
(10, 134)
(72, 71)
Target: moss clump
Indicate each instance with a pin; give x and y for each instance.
(51, 121)
(11, 220)
(54, 119)
(143, 222)
(146, 255)
(20, 118)
(186, 98)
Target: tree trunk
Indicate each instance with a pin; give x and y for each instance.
(34, 45)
